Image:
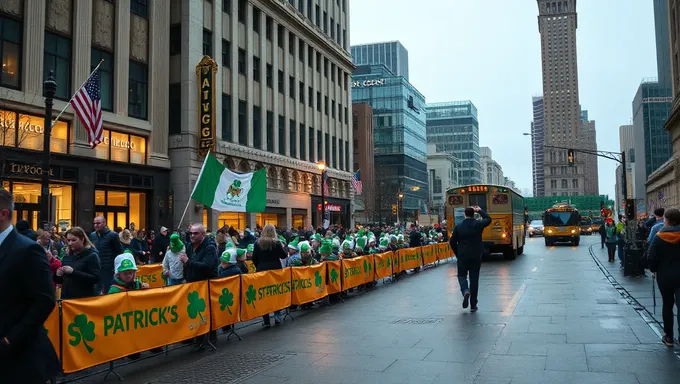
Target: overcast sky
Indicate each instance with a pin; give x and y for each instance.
(489, 52)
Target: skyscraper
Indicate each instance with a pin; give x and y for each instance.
(391, 54)
(537, 141)
(454, 128)
(588, 141)
(557, 21)
(663, 47)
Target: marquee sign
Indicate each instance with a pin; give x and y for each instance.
(205, 71)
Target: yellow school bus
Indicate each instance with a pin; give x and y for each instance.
(561, 223)
(505, 207)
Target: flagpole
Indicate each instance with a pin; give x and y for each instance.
(69, 100)
(179, 226)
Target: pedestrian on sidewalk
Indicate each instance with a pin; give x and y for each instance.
(466, 242)
(603, 234)
(611, 240)
(657, 222)
(664, 260)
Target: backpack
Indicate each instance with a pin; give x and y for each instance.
(611, 233)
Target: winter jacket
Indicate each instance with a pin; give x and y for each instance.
(243, 267)
(466, 238)
(247, 239)
(108, 247)
(203, 261)
(140, 248)
(611, 234)
(172, 263)
(160, 245)
(86, 274)
(118, 285)
(664, 257)
(268, 259)
(231, 270)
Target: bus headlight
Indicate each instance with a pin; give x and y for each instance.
(549, 230)
(504, 235)
(573, 231)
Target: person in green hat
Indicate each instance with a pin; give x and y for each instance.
(326, 251)
(293, 252)
(347, 252)
(248, 256)
(125, 277)
(304, 258)
(173, 268)
(229, 263)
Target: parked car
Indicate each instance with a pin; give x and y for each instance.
(536, 228)
(586, 225)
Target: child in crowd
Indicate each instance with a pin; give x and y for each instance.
(242, 259)
(173, 268)
(229, 262)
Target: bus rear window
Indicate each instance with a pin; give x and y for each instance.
(500, 199)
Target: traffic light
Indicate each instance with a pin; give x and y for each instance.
(570, 157)
(394, 209)
(630, 209)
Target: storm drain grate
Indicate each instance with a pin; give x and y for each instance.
(416, 320)
(221, 368)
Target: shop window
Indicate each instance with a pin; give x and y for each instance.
(137, 89)
(58, 59)
(137, 149)
(232, 219)
(99, 197)
(267, 218)
(27, 199)
(118, 151)
(122, 147)
(105, 77)
(30, 134)
(122, 208)
(10, 52)
(298, 221)
(138, 211)
(116, 199)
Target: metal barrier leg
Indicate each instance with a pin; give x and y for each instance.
(287, 314)
(111, 370)
(232, 331)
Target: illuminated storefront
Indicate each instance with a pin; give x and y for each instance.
(114, 182)
(338, 210)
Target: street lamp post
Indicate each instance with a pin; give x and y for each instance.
(322, 167)
(49, 90)
(400, 196)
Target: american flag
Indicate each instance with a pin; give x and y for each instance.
(356, 182)
(87, 105)
(325, 183)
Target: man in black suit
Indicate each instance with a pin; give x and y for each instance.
(26, 354)
(466, 242)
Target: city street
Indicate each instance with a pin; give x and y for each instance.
(551, 316)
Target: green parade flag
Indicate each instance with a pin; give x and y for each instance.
(226, 191)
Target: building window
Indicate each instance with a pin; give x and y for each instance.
(301, 50)
(241, 61)
(226, 118)
(58, 59)
(303, 148)
(257, 128)
(318, 62)
(335, 153)
(26, 132)
(574, 183)
(105, 77)
(564, 183)
(270, 131)
(328, 149)
(280, 81)
(318, 101)
(207, 43)
(10, 52)
(291, 86)
(280, 35)
(340, 112)
(242, 123)
(138, 90)
(256, 69)
(282, 135)
(226, 53)
(325, 67)
(332, 72)
(310, 97)
(319, 150)
(310, 143)
(270, 70)
(345, 113)
(325, 105)
(268, 26)
(175, 109)
(301, 97)
(325, 22)
(317, 15)
(333, 109)
(293, 138)
(175, 39)
(347, 157)
(242, 11)
(256, 19)
(332, 28)
(139, 8)
(122, 147)
(310, 56)
(341, 155)
(226, 6)
(291, 43)
(437, 185)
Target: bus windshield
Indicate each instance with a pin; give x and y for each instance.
(561, 218)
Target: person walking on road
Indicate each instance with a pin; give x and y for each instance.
(664, 260)
(466, 242)
(611, 240)
(26, 354)
(603, 234)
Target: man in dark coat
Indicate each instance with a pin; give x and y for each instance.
(160, 245)
(467, 245)
(24, 228)
(415, 239)
(26, 354)
(108, 247)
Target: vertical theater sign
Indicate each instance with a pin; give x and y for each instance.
(205, 71)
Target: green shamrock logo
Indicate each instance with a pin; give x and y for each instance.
(237, 183)
(81, 329)
(165, 279)
(334, 275)
(226, 300)
(389, 261)
(250, 295)
(367, 266)
(196, 305)
(317, 279)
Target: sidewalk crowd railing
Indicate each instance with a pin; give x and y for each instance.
(96, 330)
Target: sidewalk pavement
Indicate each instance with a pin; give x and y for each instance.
(551, 316)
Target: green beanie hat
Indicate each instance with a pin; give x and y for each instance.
(294, 244)
(282, 239)
(176, 244)
(325, 247)
(304, 248)
(361, 241)
(384, 242)
(229, 245)
(250, 248)
(229, 256)
(317, 237)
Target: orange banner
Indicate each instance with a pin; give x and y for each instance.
(397, 257)
(251, 266)
(52, 329)
(152, 274)
(429, 256)
(104, 328)
(383, 265)
(444, 251)
(309, 284)
(224, 301)
(411, 258)
(333, 282)
(264, 292)
(357, 271)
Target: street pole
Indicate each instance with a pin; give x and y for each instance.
(323, 198)
(49, 90)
